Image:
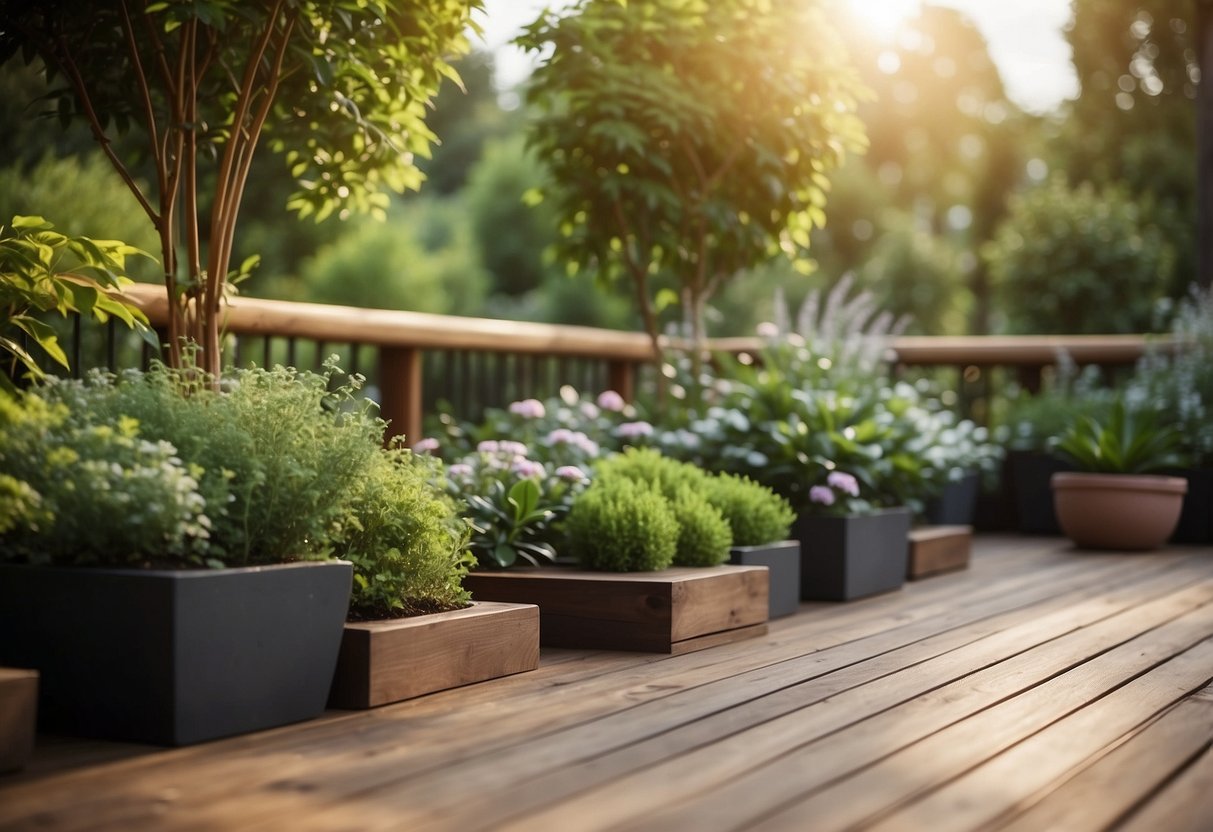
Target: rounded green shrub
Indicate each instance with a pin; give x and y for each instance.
(621, 526)
(755, 514)
(647, 465)
(406, 539)
(703, 534)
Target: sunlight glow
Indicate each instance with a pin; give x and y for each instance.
(883, 16)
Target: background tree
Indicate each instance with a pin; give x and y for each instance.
(340, 86)
(689, 140)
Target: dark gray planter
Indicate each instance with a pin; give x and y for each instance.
(1196, 519)
(842, 558)
(175, 657)
(957, 503)
(783, 560)
(1031, 472)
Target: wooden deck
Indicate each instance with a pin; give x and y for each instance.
(1041, 689)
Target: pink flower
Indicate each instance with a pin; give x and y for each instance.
(526, 468)
(489, 446)
(571, 473)
(766, 329)
(426, 446)
(510, 448)
(632, 430)
(589, 410)
(529, 409)
(460, 469)
(610, 400)
(845, 483)
(821, 494)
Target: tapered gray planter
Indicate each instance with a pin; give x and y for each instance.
(175, 657)
(842, 558)
(782, 559)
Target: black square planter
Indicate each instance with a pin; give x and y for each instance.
(842, 558)
(783, 560)
(1196, 519)
(1031, 472)
(175, 657)
(956, 505)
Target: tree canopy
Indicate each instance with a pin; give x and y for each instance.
(339, 87)
(690, 139)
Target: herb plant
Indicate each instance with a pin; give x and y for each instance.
(756, 515)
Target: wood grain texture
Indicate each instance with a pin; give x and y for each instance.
(1039, 689)
(649, 611)
(18, 713)
(388, 661)
(938, 549)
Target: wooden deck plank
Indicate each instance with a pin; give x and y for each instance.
(885, 787)
(543, 763)
(1009, 654)
(1129, 775)
(715, 775)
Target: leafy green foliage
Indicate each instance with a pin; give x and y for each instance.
(704, 536)
(621, 526)
(43, 271)
(1127, 443)
(339, 88)
(76, 494)
(689, 139)
(756, 515)
(1079, 260)
(405, 538)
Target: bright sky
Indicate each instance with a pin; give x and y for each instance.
(1025, 40)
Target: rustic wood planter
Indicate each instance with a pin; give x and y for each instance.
(782, 558)
(673, 611)
(175, 657)
(18, 712)
(938, 549)
(843, 558)
(387, 661)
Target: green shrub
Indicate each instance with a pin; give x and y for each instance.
(755, 514)
(405, 538)
(85, 495)
(276, 452)
(620, 526)
(704, 537)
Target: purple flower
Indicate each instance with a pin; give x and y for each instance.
(632, 430)
(526, 468)
(821, 494)
(845, 483)
(489, 446)
(559, 436)
(590, 410)
(426, 446)
(571, 473)
(460, 469)
(529, 409)
(610, 400)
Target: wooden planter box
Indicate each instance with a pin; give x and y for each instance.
(842, 558)
(175, 657)
(387, 661)
(938, 549)
(18, 712)
(671, 611)
(783, 560)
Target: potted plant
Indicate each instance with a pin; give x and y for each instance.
(412, 627)
(649, 547)
(164, 557)
(1113, 501)
(760, 521)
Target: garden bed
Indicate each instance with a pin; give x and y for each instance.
(676, 610)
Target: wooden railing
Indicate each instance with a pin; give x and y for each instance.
(478, 362)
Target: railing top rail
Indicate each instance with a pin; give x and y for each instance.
(344, 324)
(393, 328)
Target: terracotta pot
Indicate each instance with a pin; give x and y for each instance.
(1118, 511)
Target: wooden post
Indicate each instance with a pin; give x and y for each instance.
(621, 377)
(400, 391)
